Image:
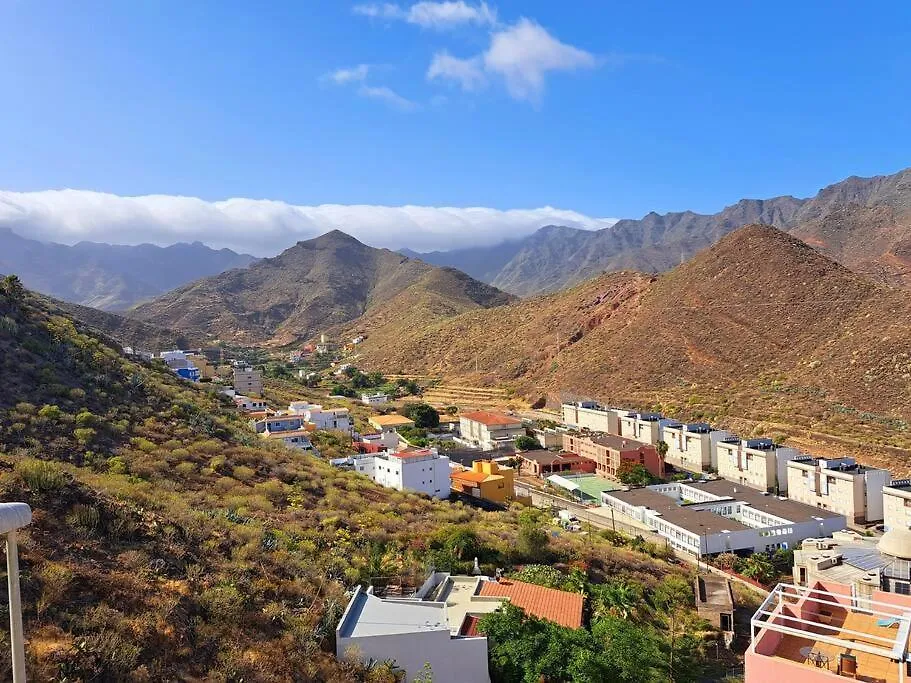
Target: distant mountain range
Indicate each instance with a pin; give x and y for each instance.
(106, 276)
(864, 223)
(315, 286)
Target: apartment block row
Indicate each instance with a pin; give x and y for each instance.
(840, 485)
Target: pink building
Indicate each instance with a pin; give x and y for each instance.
(825, 632)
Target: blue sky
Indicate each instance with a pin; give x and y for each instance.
(641, 105)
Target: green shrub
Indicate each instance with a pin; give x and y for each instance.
(85, 518)
(41, 476)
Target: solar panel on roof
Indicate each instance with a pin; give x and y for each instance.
(864, 559)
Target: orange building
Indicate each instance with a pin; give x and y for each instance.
(487, 480)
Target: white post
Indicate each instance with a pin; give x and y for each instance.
(15, 608)
(14, 516)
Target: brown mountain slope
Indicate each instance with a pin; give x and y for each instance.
(759, 332)
(310, 287)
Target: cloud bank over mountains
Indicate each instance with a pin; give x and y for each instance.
(264, 227)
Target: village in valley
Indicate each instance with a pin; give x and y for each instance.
(821, 544)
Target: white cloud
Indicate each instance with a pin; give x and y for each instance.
(468, 73)
(523, 54)
(353, 74)
(387, 95)
(264, 227)
(435, 15)
(377, 10)
(443, 15)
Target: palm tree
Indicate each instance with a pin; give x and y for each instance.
(759, 568)
(617, 597)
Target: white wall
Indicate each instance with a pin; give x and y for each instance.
(452, 660)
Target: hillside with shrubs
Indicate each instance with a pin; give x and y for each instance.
(169, 542)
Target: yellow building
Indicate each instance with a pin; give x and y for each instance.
(487, 480)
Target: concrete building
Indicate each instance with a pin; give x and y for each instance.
(644, 427)
(823, 633)
(591, 416)
(867, 564)
(489, 430)
(715, 602)
(757, 463)
(413, 632)
(543, 463)
(298, 439)
(840, 485)
(717, 516)
(334, 419)
(279, 423)
(389, 423)
(374, 399)
(897, 505)
(487, 480)
(248, 381)
(548, 437)
(608, 451)
(423, 470)
(691, 447)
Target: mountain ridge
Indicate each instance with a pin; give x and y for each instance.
(310, 287)
(864, 223)
(111, 277)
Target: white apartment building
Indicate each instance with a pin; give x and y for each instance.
(718, 516)
(840, 485)
(374, 399)
(248, 381)
(644, 427)
(592, 416)
(298, 439)
(249, 404)
(488, 430)
(424, 471)
(337, 419)
(691, 446)
(757, 463)
(897, 505)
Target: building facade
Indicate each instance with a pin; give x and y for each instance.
(423, 470)
(839, 484)
(757, 463)
(644, 427)
(248, 381)
(487, 480)
(489, 430)
(609, 451)
(897, 505)
(591, 416)
(691, 447)
(374, 399)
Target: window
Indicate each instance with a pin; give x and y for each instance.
(901, 587)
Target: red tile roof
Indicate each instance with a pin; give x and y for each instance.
(491, 419)
(560, 607)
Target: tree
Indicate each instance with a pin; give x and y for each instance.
(633, 473)
(423, 415)
(462, 543)
(527, 443)
(631, 651)
(11, 288)
(758, 567)
(618, 598)
(662, 448)
(532, 541)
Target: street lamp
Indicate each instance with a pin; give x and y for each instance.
(14, 516)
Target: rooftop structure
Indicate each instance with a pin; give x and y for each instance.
(561, 607)
(591, 416)
(805, 634)
(866, 564)
(486, 479)
(391, 421)
(839, 484)
(710, 517)
(715, 602)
